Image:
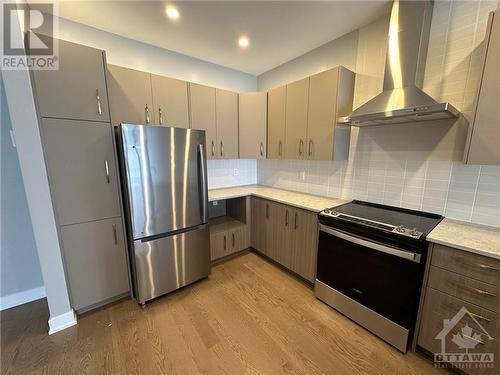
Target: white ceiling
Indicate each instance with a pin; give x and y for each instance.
(278, 31)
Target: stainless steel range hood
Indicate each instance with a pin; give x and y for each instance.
(402, 100)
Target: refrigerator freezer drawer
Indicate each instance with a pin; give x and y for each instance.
(165, 264)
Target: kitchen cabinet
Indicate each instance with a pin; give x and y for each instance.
(482, 141)
(77, 89)
(170, 101)
(297, 97)
(287, 235)
(276, 120)
(96, 262)
(202, 104)
(82, 172)
(130, 96)
(330, 96)
(226, 113)
(252, 125)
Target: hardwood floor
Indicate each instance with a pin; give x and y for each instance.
(249, 317)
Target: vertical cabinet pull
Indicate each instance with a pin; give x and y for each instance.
(261, 149)
(296, 225)
(301, 147)
(160, 115)
(310, 147)
(280, 148)
(267, 211)
(98, 99)
(106, 170)
(115, 235)
(221, 149)
(225, 242)
(213, 148)
(146, 110)
(286, 218)
(233, 241)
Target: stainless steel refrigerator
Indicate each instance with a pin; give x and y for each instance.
(164, 178)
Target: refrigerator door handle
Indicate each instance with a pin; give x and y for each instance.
(203, 183)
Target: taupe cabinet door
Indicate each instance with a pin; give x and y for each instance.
(297, 96)
(96, 261)
(202, 99)
(323, 88)
(130, 96)
(81, 166)
(227, 123)
(170, 99)
(304, 241)
(77, 90)
(276, 123)
(252, 125)
(484, 132)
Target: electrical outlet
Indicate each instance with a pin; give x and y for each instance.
(236, 172)
(302, 175)
(215, 203)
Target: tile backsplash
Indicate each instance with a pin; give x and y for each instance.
(224, 173)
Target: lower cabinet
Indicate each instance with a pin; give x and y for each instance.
(228, 236)
(96, 261)
(287, 235)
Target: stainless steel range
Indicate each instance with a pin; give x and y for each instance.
(371, 261)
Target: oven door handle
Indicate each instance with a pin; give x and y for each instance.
(372, 245)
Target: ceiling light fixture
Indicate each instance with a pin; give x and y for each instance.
(243, 41)
(172, 12)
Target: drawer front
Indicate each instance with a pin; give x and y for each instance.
(431, 326)
(470, 290)
(467, 264)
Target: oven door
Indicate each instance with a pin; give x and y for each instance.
(384, 279)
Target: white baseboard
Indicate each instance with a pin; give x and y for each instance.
(63, 321)
(20, 298)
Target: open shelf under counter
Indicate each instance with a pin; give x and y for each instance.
(224, 223)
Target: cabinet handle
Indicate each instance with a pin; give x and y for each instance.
(213, 148)
(115, 236)
(488, 267)
(98, 98)
(106, 170)
(280, 148)
(477, 316)
(261, 149)
(310, 148)
(233, 241)
(221, 149)
(296, 225)
(225, 242)
(301, 147)
(286, 218)
(146, 109)
(267, 211)
(160, 115)
(475, 290)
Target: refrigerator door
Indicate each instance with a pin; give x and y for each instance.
(168, 263)
(166, 173)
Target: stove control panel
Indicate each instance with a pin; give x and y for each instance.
(407, 232)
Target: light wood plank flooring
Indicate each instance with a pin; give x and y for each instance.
(249, 317)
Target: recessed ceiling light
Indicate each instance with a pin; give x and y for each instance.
(172, 12)
(243, 41)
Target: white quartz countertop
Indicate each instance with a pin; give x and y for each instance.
(305, 201)
(479, 239)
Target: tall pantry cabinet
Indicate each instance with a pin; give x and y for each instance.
(79, 153)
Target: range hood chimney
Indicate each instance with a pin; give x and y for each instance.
(402, 100)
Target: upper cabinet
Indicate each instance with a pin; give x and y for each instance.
(482, 142)
(252, 125)
(330, 96)
(130, 96)
(202, 100)
(276, 100)
(226, 112)
(77, 90)
(170, 101)
(297, 97)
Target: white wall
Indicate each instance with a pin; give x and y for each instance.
(20, 275)
(137, 55)
(415, 166)
(225, 173)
